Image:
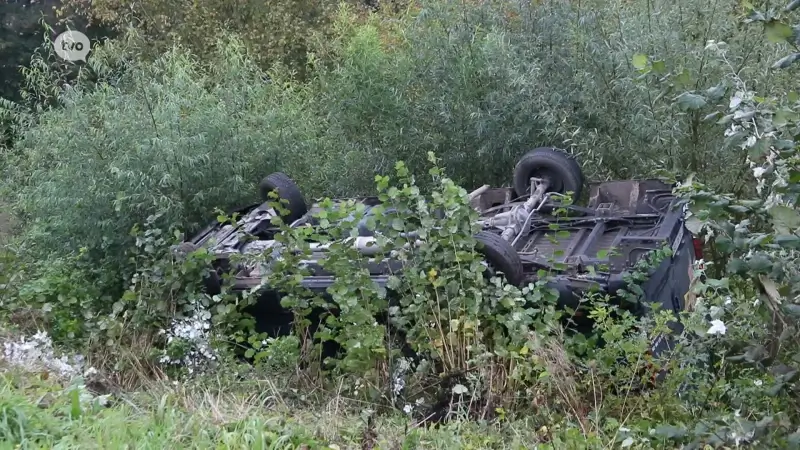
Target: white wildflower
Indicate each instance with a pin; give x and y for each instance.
(399, 382)
(751, 141)
(760, 185)
(717, 327)
(758, 382)
(195, 331)
(407, 409)
(37, 353)
(732, 130)
(460, 389)
(103, 400)
(398, 386)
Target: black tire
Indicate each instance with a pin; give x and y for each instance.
(287, 190)
(212, 283)
(501, 256)
(559, 167)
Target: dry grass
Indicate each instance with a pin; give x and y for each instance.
(561, 373)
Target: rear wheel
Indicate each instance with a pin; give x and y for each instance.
(501, 256)
(288, 191)
(558, 167)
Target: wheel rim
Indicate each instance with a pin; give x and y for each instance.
(555, 184)
(491, 269)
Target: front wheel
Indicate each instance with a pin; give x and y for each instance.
(288, 191)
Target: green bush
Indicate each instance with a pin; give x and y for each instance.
(273, 31)
(479, 85)
(157, 139)
(488, 350)
(442, 307)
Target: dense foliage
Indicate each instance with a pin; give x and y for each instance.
(117, 163)
(274, 31)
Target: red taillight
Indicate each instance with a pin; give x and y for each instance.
(698, 248)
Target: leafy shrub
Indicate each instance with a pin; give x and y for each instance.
(441, 307)
(488, 345)
(160, 140)
(479, 85)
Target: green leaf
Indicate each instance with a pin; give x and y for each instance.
(684, 78)
(689, 101)
(725, 120)
(788, 241)
(792, 310)
(734, 139)
(724, 244)
(659, 67)
(670, 431)
(716, 93)
(397, 224)
(639, 61)
(75, 410)
(759, 264)
(760, 148)
(736, 266)
(786, 61)
(777, 31)
(783, 216)
(751, 203)
(694, 225)
(784, 116)
(793, 96)
(744, 115)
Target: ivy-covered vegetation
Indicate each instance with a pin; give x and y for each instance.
(108, 166)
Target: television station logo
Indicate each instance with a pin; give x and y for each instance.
(72, 46)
